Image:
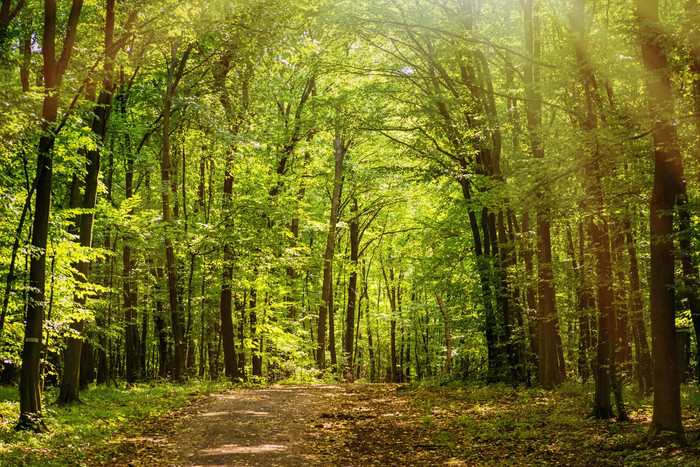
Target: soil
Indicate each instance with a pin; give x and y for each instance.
(290, 425)
(270, 426)
(393, 425)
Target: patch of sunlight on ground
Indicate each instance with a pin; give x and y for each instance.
(232, 449)
(253, 413)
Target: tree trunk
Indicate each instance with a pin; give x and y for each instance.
(227, 338)
(175, 72)
(131, 340)
(581, 304)
(240, 308)
(668, 186)
(448, 336)
(605, 366)
(352, 291)
(340, 149)
(70, 384)
(550, 374)
(103, 364)
(530, 294)
(255, 332)
(30, 382)
(622, 346)
(636, 312)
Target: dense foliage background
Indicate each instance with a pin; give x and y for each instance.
(379, 190)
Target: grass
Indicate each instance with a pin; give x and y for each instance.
(491, 425)
(427, 425)
(84, 434)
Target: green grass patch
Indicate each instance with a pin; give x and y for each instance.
(496, 424)
(83, 434)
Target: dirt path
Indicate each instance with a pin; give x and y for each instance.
(272, 426)
(393, 425)
(295, 425)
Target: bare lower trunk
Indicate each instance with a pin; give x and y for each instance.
(340, 149)
(668, 181)
(448, 336)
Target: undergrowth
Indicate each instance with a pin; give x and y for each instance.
(82, 433)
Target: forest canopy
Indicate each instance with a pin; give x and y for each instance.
(385, 190)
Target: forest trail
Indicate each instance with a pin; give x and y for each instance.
(291, 425)
(397, 425)
(268, 426)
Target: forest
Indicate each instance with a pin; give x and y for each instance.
(438, 192)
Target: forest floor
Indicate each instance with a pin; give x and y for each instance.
(386, 424)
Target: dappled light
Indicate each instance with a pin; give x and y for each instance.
(355, 232)
(229, 449)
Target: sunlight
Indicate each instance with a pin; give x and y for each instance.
(252, 412)
(231, 449)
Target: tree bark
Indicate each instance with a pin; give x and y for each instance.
(352, 291)
(448, 336)
(255, 334)
(340, 148)
(30, 382)
(390, 284)
(636, 312)
(220, 72)
(175, 72)
(550, 373)
(668, 186)
(605, 367)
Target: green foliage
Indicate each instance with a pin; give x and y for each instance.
(421, 92)
(87, 433)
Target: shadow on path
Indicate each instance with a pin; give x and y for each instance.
(255, 427)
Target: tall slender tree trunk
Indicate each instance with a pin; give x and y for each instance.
(103, 366)
(70, 383)
(690, 267)
(220, 72)
(391, 289)
(255, 334)
(636, 312)
(241, 309)
(550, 370)
(622, 346)
(227, 339)
(131, 339)
(175, 72)
(668, 186)
(531, 293)
(448, 336)
(31, 416)
(339, 150)
(352, 291)
(230, 363)
(605, 367)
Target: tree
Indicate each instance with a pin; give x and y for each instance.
(668, 186)
(71, 368)
(30, 384)
(176, 69)
(605, 366)
(341, 145)
(549, 363)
